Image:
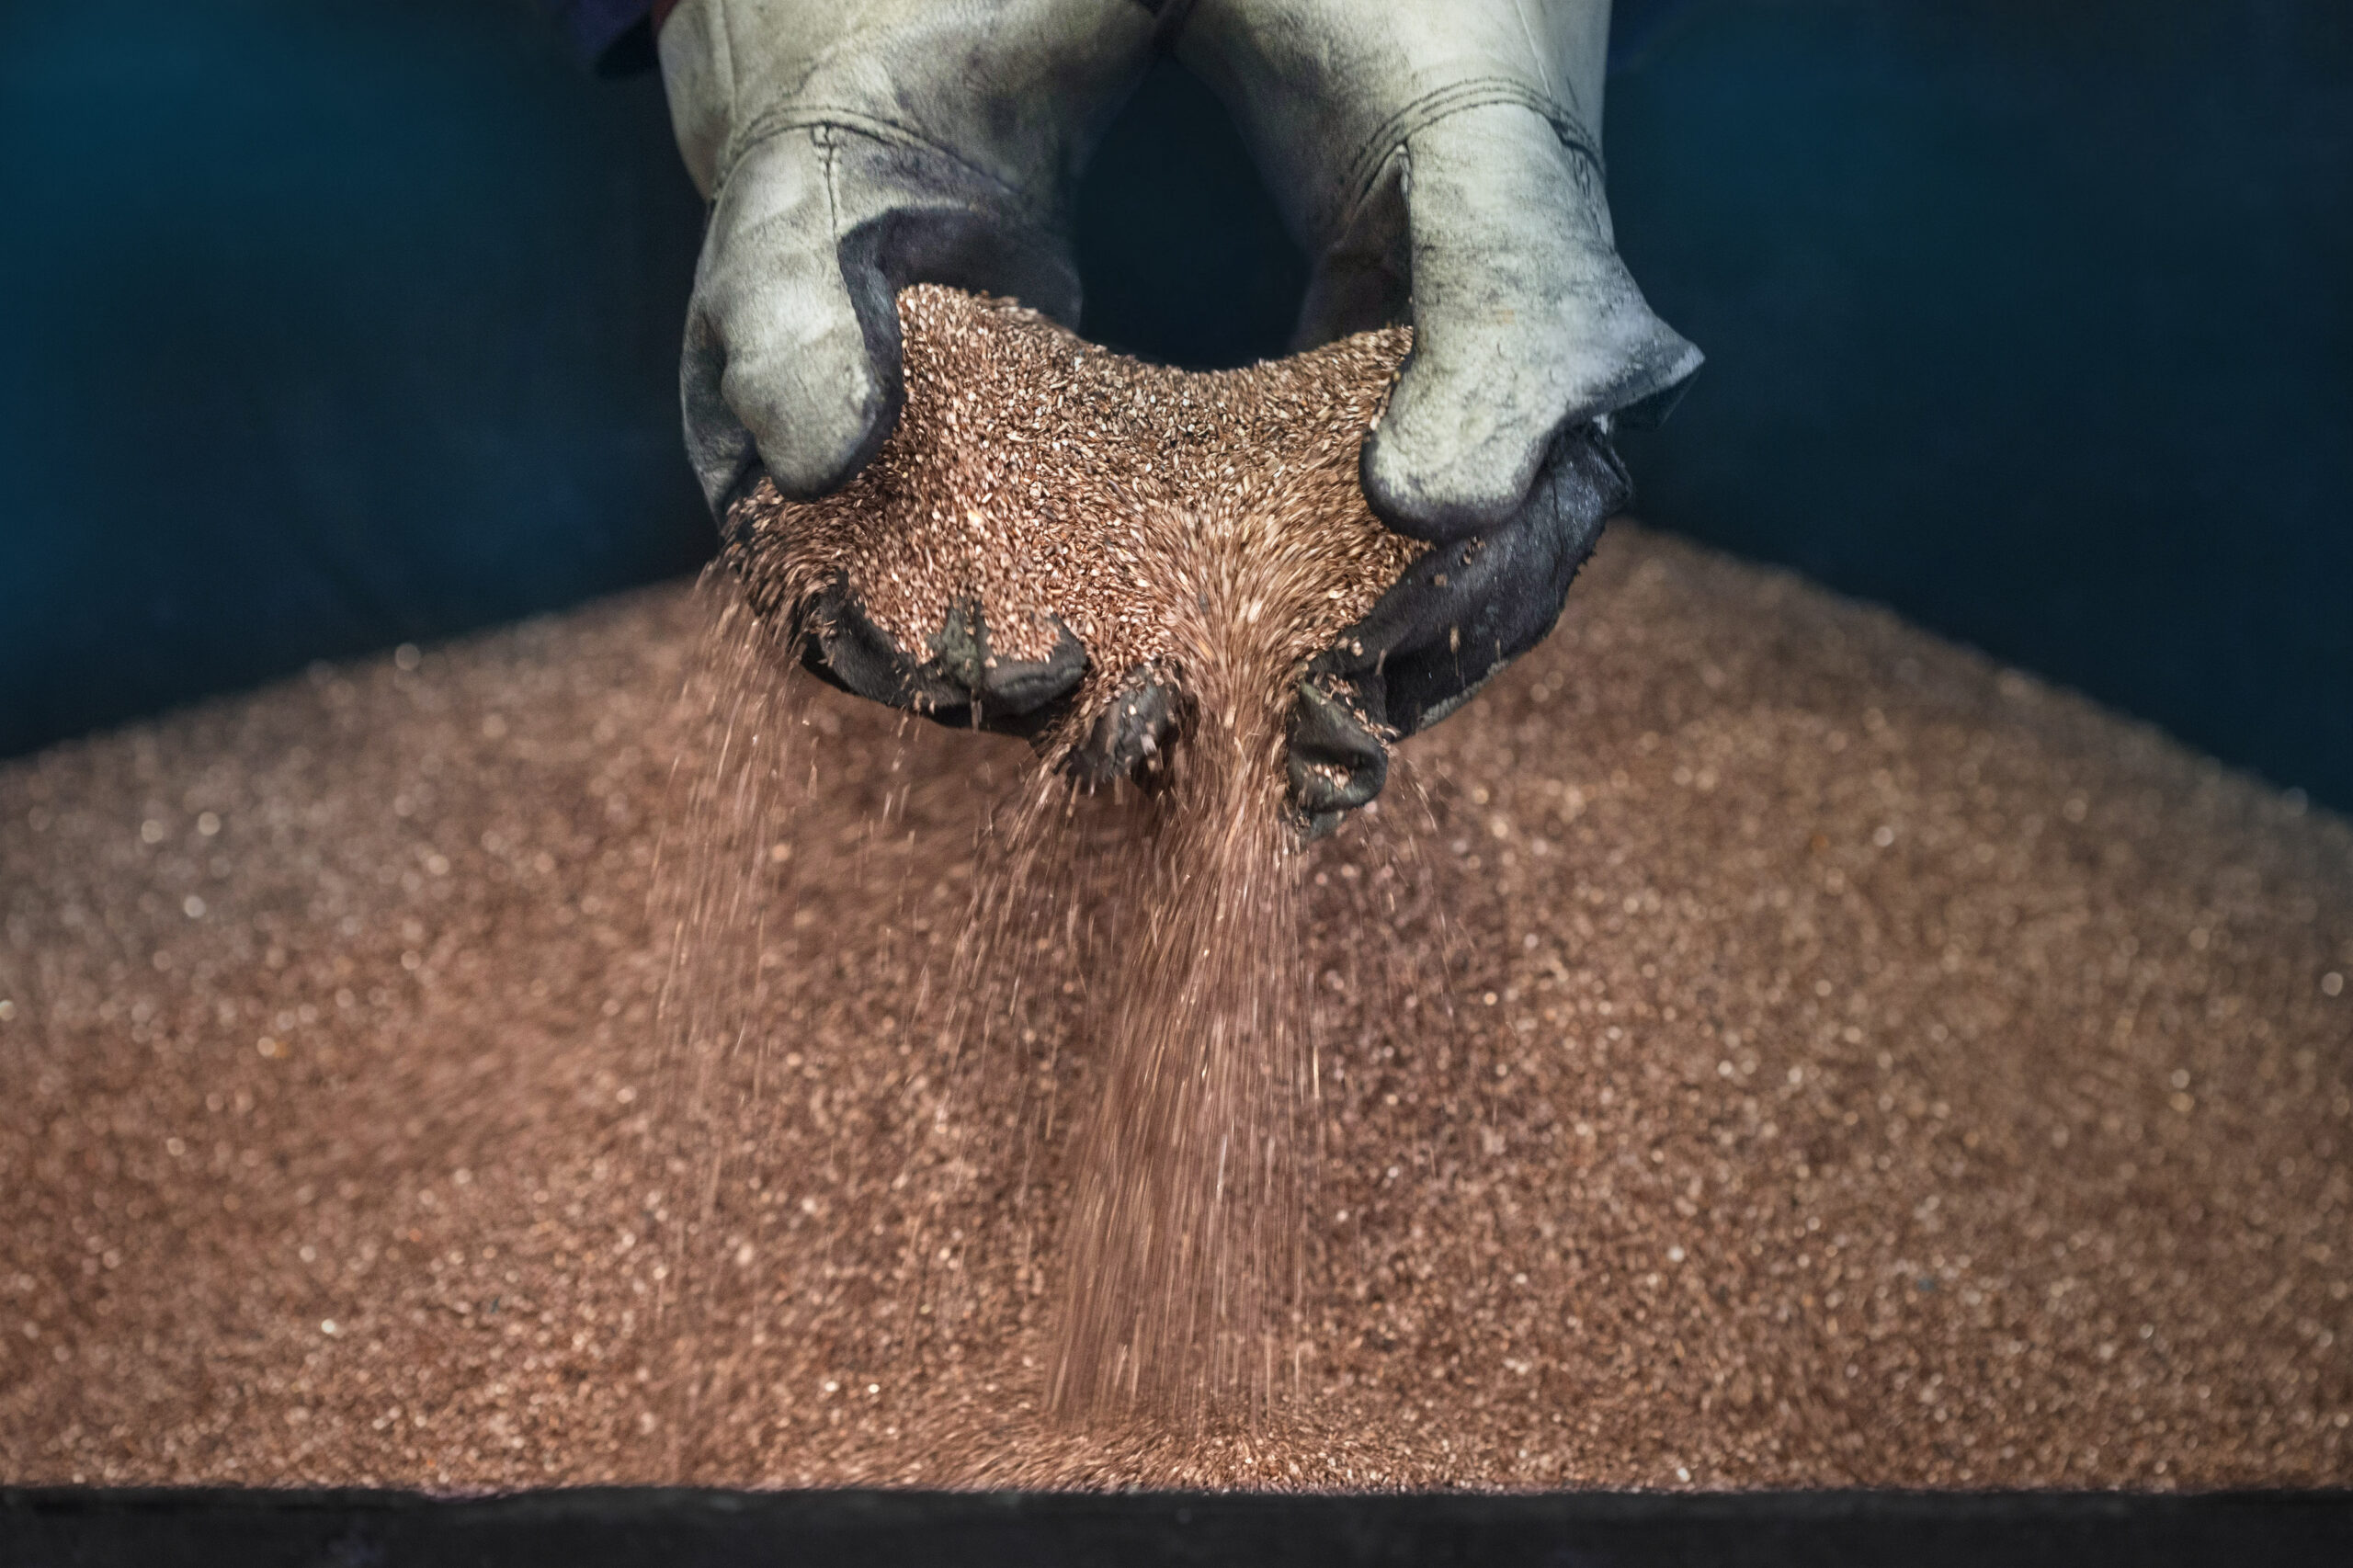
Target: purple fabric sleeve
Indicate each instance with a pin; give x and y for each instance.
(608, 34)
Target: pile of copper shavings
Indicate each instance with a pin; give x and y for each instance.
(1860, 1066)
(1050, 480)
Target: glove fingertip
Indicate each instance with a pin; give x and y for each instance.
(1336, 760)
(1133, 737)
(843, 646)
(1315, 826)
(1426, 486)
(1005, 688)
(815, 429)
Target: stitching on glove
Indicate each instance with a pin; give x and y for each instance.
(770, 123)
(824, 137)
(1455, 97)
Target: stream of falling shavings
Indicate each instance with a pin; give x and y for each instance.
(1158, 934)
(1116, 1035)
(1053, 483)
(721, 874)
(1182, 1262)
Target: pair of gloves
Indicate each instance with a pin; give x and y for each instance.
(1438, 160)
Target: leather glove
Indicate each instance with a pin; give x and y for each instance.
(849, 148)
(1441, 160)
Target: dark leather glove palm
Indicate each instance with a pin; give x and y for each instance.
(1440, 159)
(849, 148)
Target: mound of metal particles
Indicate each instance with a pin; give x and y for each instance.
(1756, 1044)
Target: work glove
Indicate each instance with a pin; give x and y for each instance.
(849, 148)
(1440, 161)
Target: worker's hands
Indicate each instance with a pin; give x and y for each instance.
(1436, 156)
(849, 148)
(1439, 159)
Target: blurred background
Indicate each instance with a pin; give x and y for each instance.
(328, 325)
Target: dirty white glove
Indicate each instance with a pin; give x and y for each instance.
(850, 148)
(1440, 161)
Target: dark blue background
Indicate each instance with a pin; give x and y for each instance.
(329, 324)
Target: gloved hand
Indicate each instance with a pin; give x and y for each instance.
(849, 148)
(1441, 159)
